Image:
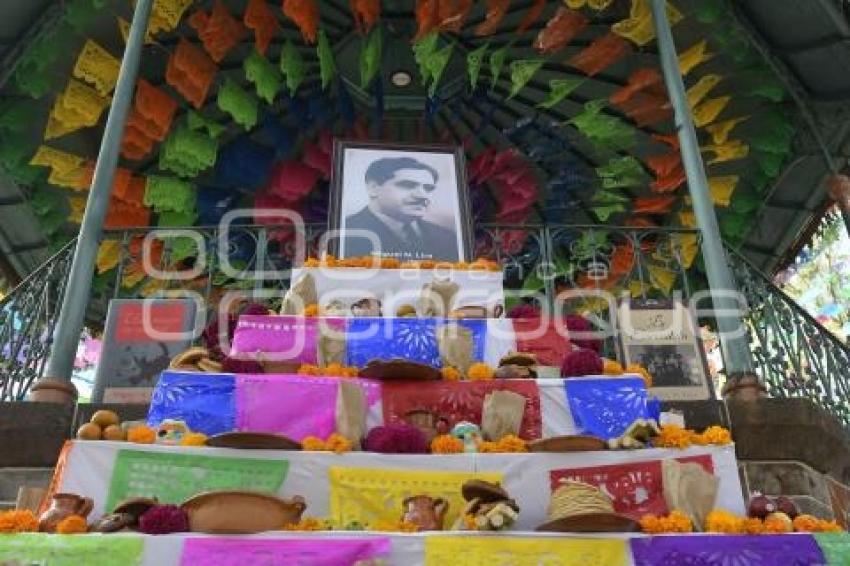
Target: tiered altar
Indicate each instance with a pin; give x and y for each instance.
(448, 448)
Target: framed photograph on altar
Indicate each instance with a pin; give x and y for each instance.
(662, 336)
(408, 202)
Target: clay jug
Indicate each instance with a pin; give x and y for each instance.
(425, 512)
(63, 505)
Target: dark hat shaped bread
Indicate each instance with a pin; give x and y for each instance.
(484, 491)
(518, 359)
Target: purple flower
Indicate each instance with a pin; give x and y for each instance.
(164, 519)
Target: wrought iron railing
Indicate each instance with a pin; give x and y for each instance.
(792, 353)
(27, 318)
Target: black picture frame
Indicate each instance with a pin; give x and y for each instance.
(679, 354)
(337, 183)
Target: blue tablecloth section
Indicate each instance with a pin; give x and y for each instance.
(413, 339)
(205, 401)
(606, 406)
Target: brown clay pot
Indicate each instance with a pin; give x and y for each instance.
(425, 512)
(63, 505)
(53, 390)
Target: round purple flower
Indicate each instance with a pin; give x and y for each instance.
(396, 439)
(164, 519)
(581, 362)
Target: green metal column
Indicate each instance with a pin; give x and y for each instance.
(736, 352)
(66, 337)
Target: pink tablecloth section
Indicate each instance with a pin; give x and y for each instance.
(460, 400)
(293, 405)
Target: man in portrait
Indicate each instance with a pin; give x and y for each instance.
(401, 191)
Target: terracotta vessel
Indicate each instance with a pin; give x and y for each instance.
(241, 512)
(61, 506)
(52, 390)
(425, 512)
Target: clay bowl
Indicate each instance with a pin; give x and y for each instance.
(400, 370)
(591, 523)
(253, 440)
(241, 512)
(575, 443)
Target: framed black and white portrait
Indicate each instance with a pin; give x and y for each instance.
(661, 335)
(409, 202)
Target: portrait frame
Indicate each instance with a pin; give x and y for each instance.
(339, 207)
(683, 373)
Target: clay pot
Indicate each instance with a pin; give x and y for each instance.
(53, 390)
(63, 505)
(241, 512)
(743, 387)
(425, 512)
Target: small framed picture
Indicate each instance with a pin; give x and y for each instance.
(661, 336)
(408, 202)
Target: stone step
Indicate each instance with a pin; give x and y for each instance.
(11, 479)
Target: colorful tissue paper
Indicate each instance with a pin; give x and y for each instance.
(191, 72)
(218, 30)
(605, 407)
(315, 551)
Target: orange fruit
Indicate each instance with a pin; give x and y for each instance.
(114, 432)
(89, 431)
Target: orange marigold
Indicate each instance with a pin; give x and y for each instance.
(307, 524)
(450, 373)
(811, 524)
(461, 266)
(18, 522)
(641, 371)
(338, 370)
(312, 262)
(338, 443)
(512, 443)
(675, 522)
(722, 521)
(313, 444)
(390, 263)
(715, 435)
(72, 525)
(194, 439)
(651, 524)
(479, 372)
(778, 523)
(446, 444)
(141, 435)
(487, 447)
(673, 436)
(311, 310)
(469, 522)
(308, 369)
(612, 367)
(753, 526)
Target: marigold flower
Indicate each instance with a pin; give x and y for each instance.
(338, 443)
(612, 367)
(722, 521)
(641, 371)
(308, 369)
(307, 524)
(675, 522)
(18, 522)
(446, 444)
(450, 373)
(313, 444)
(72, 525)
(753, 526)
(480, 372)
(312, 262)
(715, 435)
(390, 263)
(141, 435)
(311, 310)
(194, 439)
(469, 522)
(488, 447)
(512, 443)
(673, 436)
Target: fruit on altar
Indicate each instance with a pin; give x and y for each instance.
(760, 506)
(105, 418)
(778, 522)
(638, 435)
(786, 506)
(89, 431)
(425, 512)
(114, 432)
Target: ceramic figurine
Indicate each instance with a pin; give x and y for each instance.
(63, 505)
(425, 512)
(469, 433)
(171, 432)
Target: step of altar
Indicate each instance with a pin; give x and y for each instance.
(350, 487)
